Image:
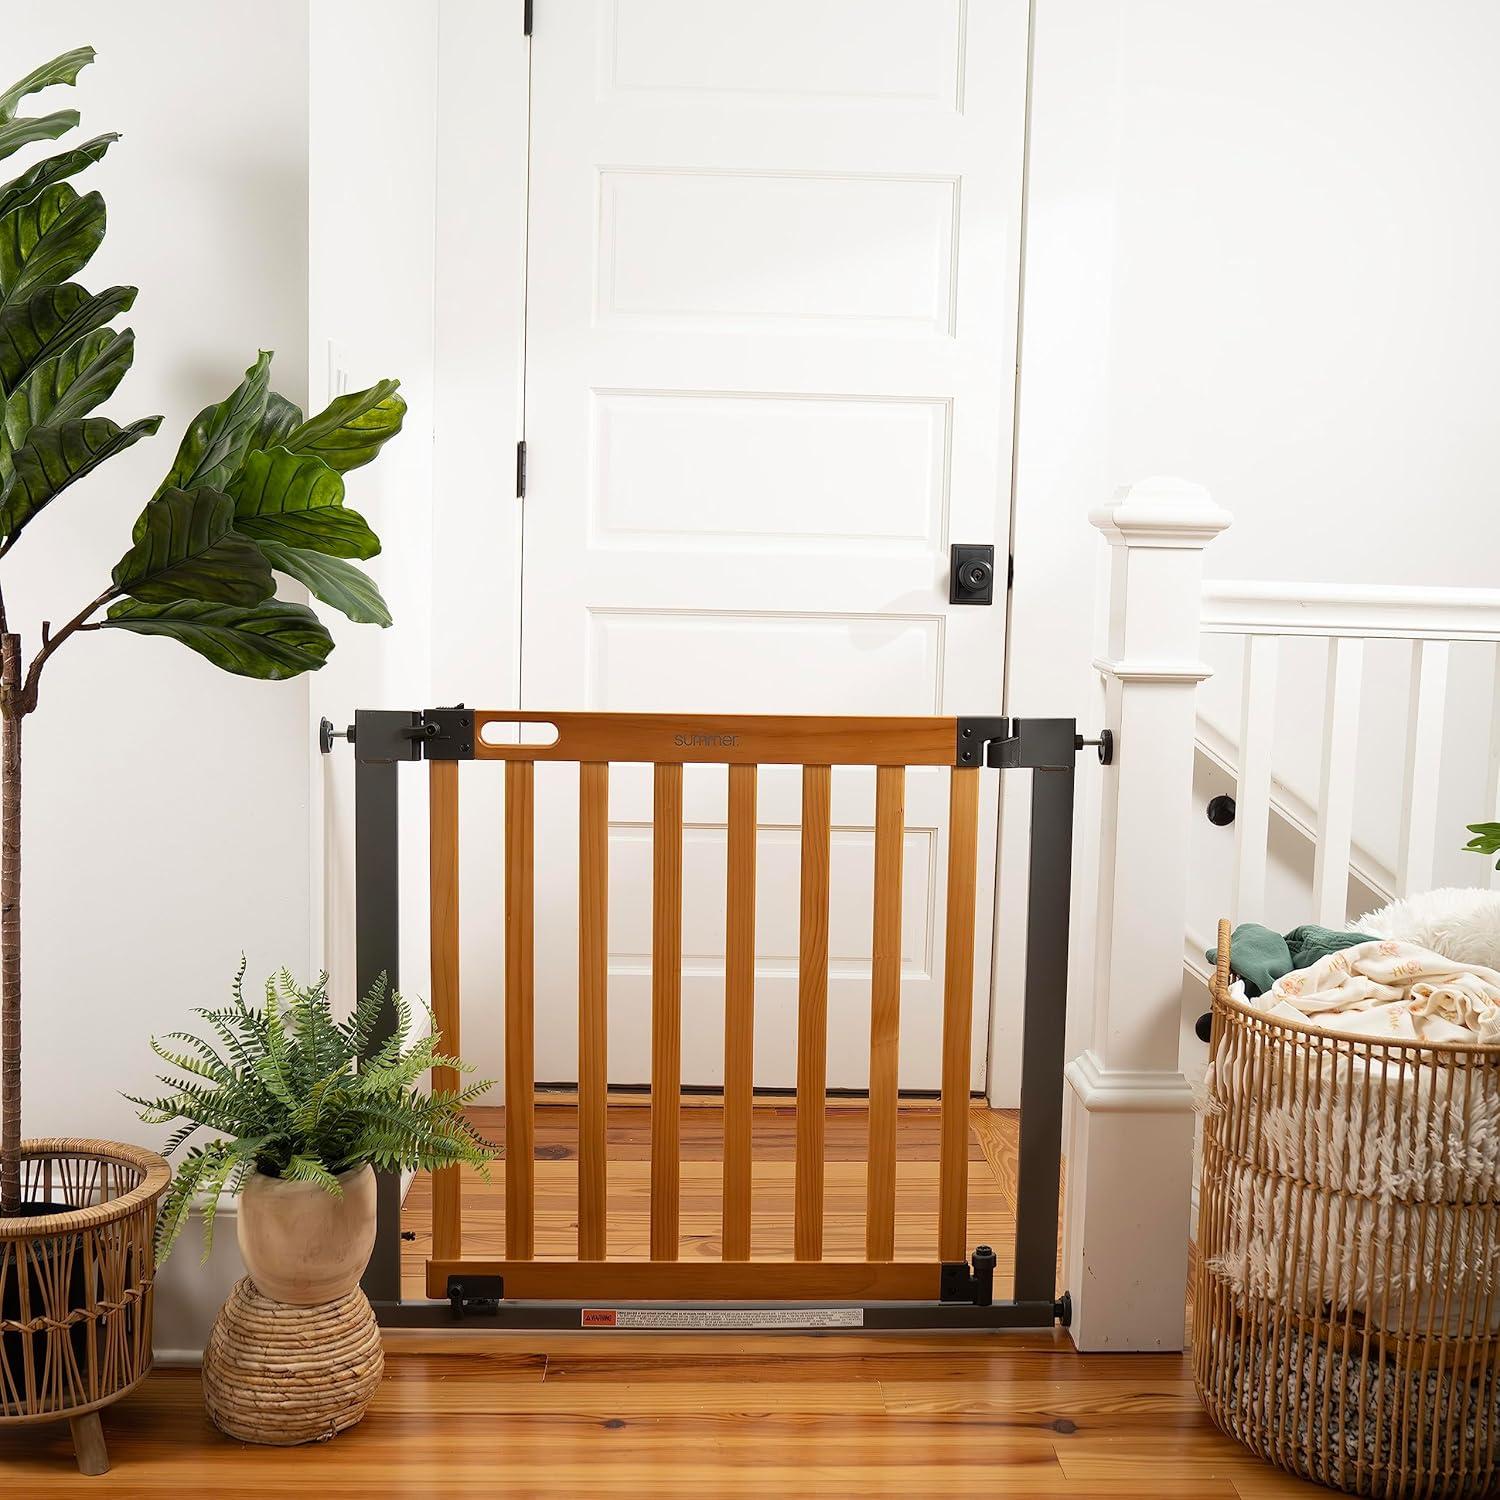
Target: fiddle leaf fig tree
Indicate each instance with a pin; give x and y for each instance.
(256, 489)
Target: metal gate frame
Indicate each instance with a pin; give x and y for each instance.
(385, 739)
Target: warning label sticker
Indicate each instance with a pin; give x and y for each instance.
(723, 1317)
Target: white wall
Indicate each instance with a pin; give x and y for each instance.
(372, 154)
(479, 307)
(166, 803)
(1259, 256)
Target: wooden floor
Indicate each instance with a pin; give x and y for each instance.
(993, 1138)
(473, 1413)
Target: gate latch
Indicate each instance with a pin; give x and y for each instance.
(959, 1284)
(475, 1296)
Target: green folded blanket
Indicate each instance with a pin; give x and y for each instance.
(1260, 957)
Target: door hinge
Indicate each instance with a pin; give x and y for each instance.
(526, 18)
(1010, 572)
(521, 470)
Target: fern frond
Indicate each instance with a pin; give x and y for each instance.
(293, 1092)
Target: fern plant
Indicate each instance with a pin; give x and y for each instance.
(286, 1090)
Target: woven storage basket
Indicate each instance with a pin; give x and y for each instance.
(279, 1374)
(75, 1287)
(1346, 1314)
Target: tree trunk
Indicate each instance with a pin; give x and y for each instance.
(10, 928)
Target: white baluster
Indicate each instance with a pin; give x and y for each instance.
(1424, 751)
(1252, 817)
(1492, 778)
(1336, 794)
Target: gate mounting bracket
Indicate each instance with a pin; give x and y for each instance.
(975, 733)
(446, 733)
(1024, 744)
(471, 1296)
(958, 1284)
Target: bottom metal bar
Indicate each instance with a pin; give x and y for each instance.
(915, 1315)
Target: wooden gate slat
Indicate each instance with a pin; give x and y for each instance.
(666, 1008)
(958, 1005)
(593, 1007)
(442, 791)
(520, 1080)
(739, 1011)
(812, 1016)
(885, 1013)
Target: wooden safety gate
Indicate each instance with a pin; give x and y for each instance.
(951, 1289)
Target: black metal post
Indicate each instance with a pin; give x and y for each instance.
(382, 740)
(1048, 747)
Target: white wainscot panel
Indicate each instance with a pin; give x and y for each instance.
(778, 866)
(657, 661)
(761, 252)
(788, 51)
(815, 473)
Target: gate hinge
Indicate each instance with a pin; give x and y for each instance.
(475, 1296)
(975, 734)
(959, 1284)
(521, 470)
(446, 733)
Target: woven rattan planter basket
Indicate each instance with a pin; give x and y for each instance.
(75, 1287)
(1346, 1320)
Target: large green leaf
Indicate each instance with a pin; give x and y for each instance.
(49, 322)
(52, 458)
(214, 445)
(17, 133)
(351, 429)
(73, 383)
(64, 68)
(70, 384)
(271, 641)
(296, 499)
(186, 547)
(347, 588)
(53, 169)
(280, 417)
(46, 241)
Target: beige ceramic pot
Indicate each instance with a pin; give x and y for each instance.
(303, 1245)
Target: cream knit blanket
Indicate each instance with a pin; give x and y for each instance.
(1391, 991)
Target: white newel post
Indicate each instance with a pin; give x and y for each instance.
(1129, 1170)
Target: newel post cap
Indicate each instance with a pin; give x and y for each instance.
(1161, 512)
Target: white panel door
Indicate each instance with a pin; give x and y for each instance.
(772, 275)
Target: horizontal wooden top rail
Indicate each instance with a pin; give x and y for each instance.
(726, 739)
(1394, 611)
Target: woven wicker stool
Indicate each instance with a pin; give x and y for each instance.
(278, 1374)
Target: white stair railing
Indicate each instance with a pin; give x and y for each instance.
(1433, 620)
(1130, 1122)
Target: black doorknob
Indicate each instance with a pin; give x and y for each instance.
(971, 573)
